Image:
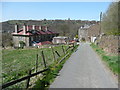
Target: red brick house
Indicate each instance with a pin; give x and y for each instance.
(31, 34)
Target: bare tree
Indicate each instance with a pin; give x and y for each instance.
(65, 29)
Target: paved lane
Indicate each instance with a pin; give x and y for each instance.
(84, 69)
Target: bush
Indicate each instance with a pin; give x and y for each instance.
(83, 39)
(22, 44)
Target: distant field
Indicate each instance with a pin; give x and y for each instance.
(16, 63)
(111, 60)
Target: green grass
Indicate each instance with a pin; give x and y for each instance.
(51, 74)
(16, 63)
(111, 61)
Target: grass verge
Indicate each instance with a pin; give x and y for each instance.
(111, 61)
(51, 74)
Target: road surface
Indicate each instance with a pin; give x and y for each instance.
(84, 69)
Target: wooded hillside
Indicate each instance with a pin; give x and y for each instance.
(64, 27)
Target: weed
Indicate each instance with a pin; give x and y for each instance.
(111, 61)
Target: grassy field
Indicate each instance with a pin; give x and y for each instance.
(52, 73)
(16, 63)
(111, 60)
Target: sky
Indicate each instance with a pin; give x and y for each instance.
(53, 10)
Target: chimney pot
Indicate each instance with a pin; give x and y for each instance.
(24, 28)
(46, 28)
(27, 27)
(16, 28)
(40, 27)
(33, 27)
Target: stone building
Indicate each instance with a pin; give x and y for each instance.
(94, 32)
(31, 34)
(83, 32)
(60, 40)
(89, 33)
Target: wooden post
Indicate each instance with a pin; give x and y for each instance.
(67, 49)
(57, 53)
(36, 62)
(73, 47)
(28, 80)
(22, 79)
(63, 50)
(43, 59)
(53, 53)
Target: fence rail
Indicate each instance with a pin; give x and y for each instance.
(21, 79)
(37, 72)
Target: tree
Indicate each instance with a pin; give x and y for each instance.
(65, 29)
(11, 43)
(76, 36)
(22, 44)
(110, 20)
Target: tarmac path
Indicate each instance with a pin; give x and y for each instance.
(84, 69)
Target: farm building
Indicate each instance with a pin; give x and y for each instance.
(31, 34)
(83, 32)
(60, 40)
(89, 33)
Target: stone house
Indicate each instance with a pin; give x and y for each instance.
(31, 34)
(60, 40)
(83, 32)
(89, 33)
(94, 32)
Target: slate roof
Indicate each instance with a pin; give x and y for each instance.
(44, 43)
(34, 32)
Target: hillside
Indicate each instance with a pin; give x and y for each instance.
(64, 27)
(8, 26)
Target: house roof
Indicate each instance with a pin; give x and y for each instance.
(94, 30)
(21, 33)
(44, 43)
(34, 32)
(61, 37)
(41, 32)
(72, 41)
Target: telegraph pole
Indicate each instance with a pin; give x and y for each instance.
(100, 22)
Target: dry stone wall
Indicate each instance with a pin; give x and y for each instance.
(110, 43)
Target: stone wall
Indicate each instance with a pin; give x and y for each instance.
(16, 40)
(109, 43)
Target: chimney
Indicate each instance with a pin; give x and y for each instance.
(16, 28)
(33, 27)
(27, 27)
(40, 27)
(24, 29)
(46, 28)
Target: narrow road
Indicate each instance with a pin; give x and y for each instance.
(84, 69)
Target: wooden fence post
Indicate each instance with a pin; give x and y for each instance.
(63, 50)
(57, 53)
(53, 53)
(67, 49)
(22, 79)
(28, 80)
(73, 47)
(36, 62)
(43, 59)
